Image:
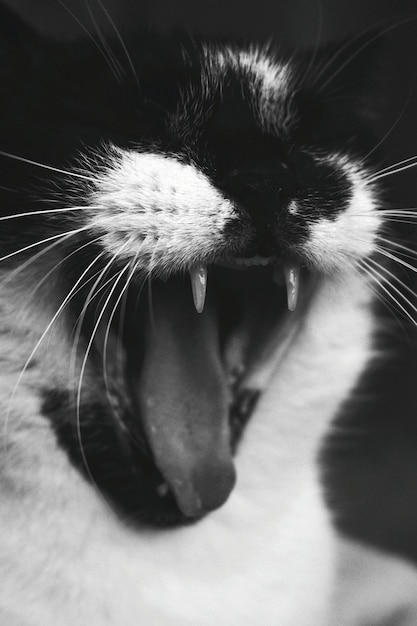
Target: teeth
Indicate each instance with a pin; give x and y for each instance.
(292, 281)
(253, 261)
(198, 275)
(289, 274)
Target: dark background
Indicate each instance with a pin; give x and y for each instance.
(370, 460)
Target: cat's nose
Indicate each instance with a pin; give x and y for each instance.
(263, 191)
(260, 187)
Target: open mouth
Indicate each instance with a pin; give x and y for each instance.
(179, 363)
(183, 388)
(284, 273)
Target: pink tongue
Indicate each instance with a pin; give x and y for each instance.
(183, 400)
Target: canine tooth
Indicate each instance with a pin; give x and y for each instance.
(198, 275)
(292, 281)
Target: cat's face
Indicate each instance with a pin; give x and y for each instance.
(239, 156)
(207, 192)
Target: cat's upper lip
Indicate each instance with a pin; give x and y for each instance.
(284, 272)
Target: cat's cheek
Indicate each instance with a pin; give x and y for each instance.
(159, 212)
(340, 245)
(342, 242)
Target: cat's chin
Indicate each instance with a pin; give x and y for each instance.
(188, 374)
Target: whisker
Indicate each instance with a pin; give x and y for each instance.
(72, 365)
(380, 280)
(79, 433)
(118, 69)
(396, 168)
(120, 38)
(411, 221)
(119, 340)
(46, 167)
(325, 66)
(404, 216)
(409, 218)
(42, 337)
(62, 236)
(386, 226)
(410, 252)
(88, 299)
(349, 43)
(372, 282)
(400, 210)
(109, 60)
(93, 293)
(395, 258)
(317, 43)
(13, 274)
(110, 320)
(48, 211)
(395, 122)
(51, 271)
(119, 347)
(393, 276)
(411, 159)
(406, 212)
(149, 280)
(83, 368)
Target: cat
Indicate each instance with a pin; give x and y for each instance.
(188, 239)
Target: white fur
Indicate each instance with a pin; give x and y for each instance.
(336, 243)
(166, 214)
(270, 81)
(66, 559)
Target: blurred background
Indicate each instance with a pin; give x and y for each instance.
(370, 459)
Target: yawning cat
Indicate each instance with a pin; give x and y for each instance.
(189, 232)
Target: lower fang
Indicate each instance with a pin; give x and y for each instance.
(198, 275)
(292, 281)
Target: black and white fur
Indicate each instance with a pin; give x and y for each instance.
(119, 176)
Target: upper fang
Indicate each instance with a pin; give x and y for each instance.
(198, 275)
(292, 281)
